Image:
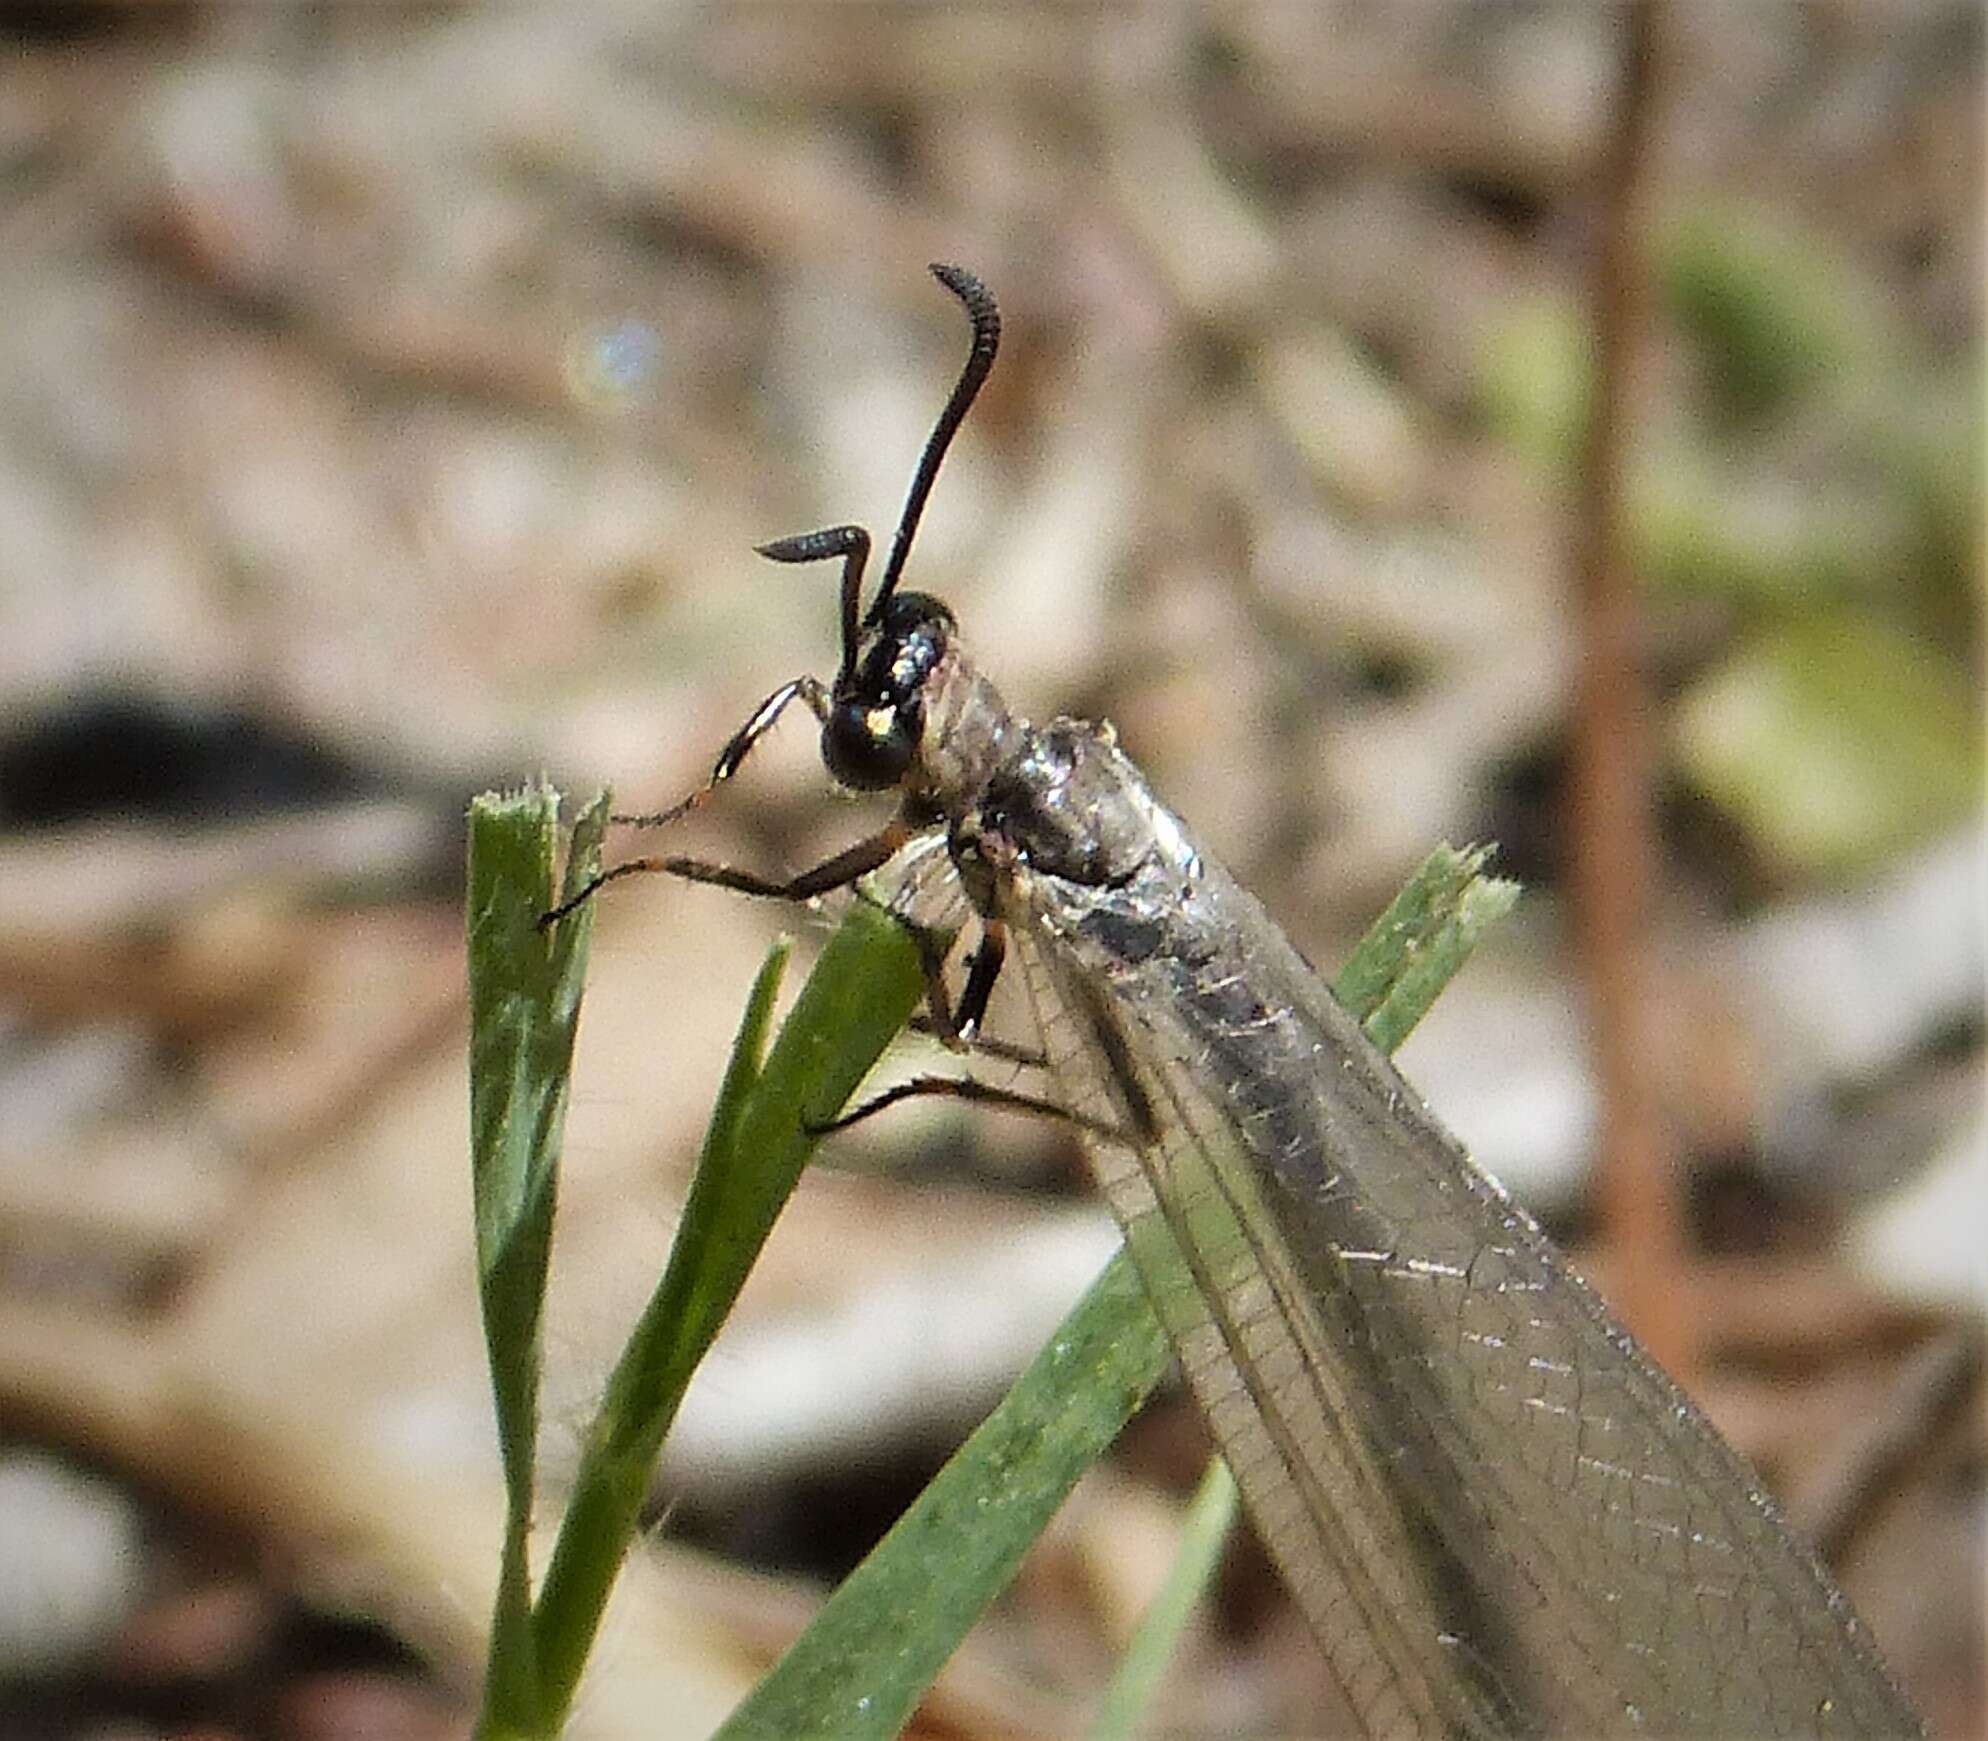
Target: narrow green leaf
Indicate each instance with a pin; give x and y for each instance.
(1413, 923)
(1210, 1516)
(862, 990)
(1405, 960)
(881, 1638)
(524, 989)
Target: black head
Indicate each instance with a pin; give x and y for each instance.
(877, 709)
(876, 706)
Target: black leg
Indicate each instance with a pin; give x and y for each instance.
(939, 1020)
(730, 759)
(983, 1045)
(835, 873)
(737, 748)
(981, 973)
(844, 868)
(965, 1088)
(957, 1027)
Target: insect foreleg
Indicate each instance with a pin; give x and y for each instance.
(838, 872)
(737, 747)
(872, 851)
(984, 1045)
(965, 1088)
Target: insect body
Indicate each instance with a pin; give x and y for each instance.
(1498, 1516)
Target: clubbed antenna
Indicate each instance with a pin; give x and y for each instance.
(852, 544)
(986, 318)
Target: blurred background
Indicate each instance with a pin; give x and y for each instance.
(394, 395)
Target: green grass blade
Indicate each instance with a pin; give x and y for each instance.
(858, 1672)
(524, 991)
(1415, 927)
(862, 990)
(1210, 1517)
(1450, 904)
(880, 1639)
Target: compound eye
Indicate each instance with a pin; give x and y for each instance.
(868, 748)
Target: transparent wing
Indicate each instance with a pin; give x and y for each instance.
(921, 887)
(1497, 1515)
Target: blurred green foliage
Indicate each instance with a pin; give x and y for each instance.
(1833, 738)
(1535, 378)
(1770, 314)
(1818, 474)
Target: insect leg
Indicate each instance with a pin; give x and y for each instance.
(844, 868)
(737, 747)
(942, 1022)
(981, 974)
(834, 873)
(963, 1088)
(956, 1026)
(938, 1019)
(984, 1045)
